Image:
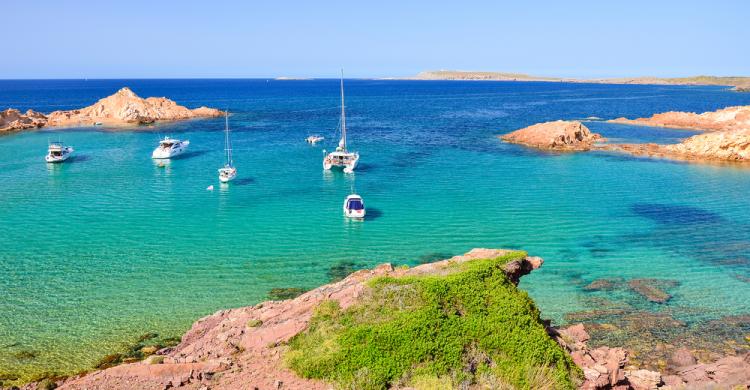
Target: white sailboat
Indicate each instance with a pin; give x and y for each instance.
(341, 157)
(228, 172)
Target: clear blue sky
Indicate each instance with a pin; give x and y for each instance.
(233, 38)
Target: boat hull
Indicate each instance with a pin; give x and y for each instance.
(161, 154)
(227, 176)
(347, 166)
(58, 159)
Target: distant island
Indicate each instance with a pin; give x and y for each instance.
(741, 84)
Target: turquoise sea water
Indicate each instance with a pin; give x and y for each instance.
(97, 251)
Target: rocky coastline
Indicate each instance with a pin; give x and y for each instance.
(250, 347)
(726, 136)
(122, 108)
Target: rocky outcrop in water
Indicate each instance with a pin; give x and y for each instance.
(732, 145)
(243, 348)
(730, 118)
(124, 107)
(557, 135)
(14, 120)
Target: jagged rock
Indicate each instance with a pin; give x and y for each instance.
(558, 135)
(124, 106)
(681, 358)
(644, 379)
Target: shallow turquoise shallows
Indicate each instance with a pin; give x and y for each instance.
(106, 247)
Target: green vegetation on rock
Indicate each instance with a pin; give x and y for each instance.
(469, 325)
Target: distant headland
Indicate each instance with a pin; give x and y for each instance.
(741, 84)
(123, 107)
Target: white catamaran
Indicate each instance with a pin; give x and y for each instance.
(342, 157)
(228, 172)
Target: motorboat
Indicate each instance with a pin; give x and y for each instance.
(57, 152)
(354, 206)
(228, 172)
(170, 147)
(341, 157)
(314, 139)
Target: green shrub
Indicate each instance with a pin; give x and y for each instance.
(470, 326)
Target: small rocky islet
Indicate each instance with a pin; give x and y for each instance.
(122, 108)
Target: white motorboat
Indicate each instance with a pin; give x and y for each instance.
(341, 157)
(57, 152)
(228, 172)
(314, 139)
(170, 147)
(354, 206)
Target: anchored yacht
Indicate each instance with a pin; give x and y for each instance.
(354, 206)
(170, 147)
(57, 152)
(341, 157)
(228, 172)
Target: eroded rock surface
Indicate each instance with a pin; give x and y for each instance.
(557, 135)
(122, 108)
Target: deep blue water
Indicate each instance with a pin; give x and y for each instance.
(109, 246)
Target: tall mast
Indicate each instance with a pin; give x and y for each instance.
(227, 146)
(343, 113)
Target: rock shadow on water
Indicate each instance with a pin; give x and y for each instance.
(668, 214)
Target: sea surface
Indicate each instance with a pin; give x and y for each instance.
(111, 245)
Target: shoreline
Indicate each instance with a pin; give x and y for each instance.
(592, 339)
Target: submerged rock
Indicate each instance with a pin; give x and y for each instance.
(557, 135)
(652, 289)
(603, 284)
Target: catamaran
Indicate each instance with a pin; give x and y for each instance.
(354, 206)
(170, 147)
(228, 172)
(342, 157)
(57, 152)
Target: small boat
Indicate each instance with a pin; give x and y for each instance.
(314, 139)
(170, 147)
(354, 206)
(228, 172)
(341, 157)
(57, 152)
(98, 123)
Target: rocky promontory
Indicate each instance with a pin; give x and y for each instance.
(557, 135)
(730, 118)
(124, 107)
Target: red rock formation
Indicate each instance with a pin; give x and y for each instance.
(14, 120)
(123, 107)
(558, 135)
(242, 348)
(730, 145)
(730, 118)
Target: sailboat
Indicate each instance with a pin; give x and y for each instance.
(341, 157)
(228, 172)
